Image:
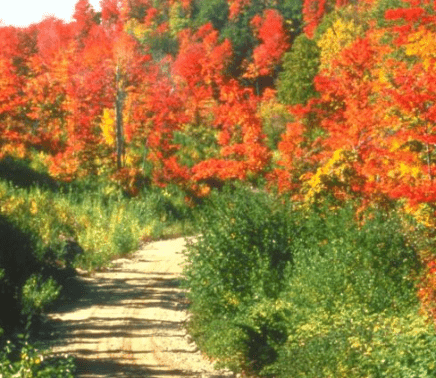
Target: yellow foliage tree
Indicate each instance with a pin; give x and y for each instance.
(422, 44)
(107, 126)
(340, 35)
(335, 175)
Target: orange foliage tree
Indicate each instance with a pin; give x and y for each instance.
(376, 113)
(230, 109)
(270, 30)
(15, 137)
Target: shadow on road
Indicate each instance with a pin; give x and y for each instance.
(128, 321)
(80, 292)
(110, 369)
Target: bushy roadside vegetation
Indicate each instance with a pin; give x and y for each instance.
(277, 289)
(46, 229)
(281, 291)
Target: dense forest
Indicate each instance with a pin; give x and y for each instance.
(313, 96)
(151, 109)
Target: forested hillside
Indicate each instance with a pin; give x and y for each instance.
(306, 96)
(321, 102)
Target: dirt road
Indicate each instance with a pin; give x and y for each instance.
(129, 321)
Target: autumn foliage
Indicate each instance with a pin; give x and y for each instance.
(96, 96)
(141, 93)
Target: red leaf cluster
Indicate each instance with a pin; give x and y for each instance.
(270, 30)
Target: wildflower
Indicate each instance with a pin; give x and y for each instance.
(33, 207)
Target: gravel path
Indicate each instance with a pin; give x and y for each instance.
(129, 321)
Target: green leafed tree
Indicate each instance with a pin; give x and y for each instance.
(237, 27)
(295, 82)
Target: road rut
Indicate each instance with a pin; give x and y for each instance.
(129, 321)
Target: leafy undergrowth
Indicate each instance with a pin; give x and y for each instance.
(27, 360)
(279, 291)
(89, 227)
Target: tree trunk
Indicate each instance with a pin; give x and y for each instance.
(119, 104)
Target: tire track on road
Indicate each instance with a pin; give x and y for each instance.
(129, 321)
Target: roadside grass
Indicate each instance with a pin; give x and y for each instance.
(87, 227)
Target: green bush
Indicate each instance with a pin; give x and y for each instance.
(124, 240)
(353, 310)
(284, 292)
(300, 65)
(235, 273)
(90, 223)
(37, 293)
(27, 360)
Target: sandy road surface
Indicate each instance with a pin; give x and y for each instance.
(129, 321)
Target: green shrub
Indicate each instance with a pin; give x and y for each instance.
(371, 264)
(243, 249)
(353, 310)
(124, 239)
(352, 343)
(300, 65)
(235, 271)
(307, 293)
(37, 293)
(27, 360)
(89, 224)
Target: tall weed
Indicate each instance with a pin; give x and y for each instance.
(91, 225)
